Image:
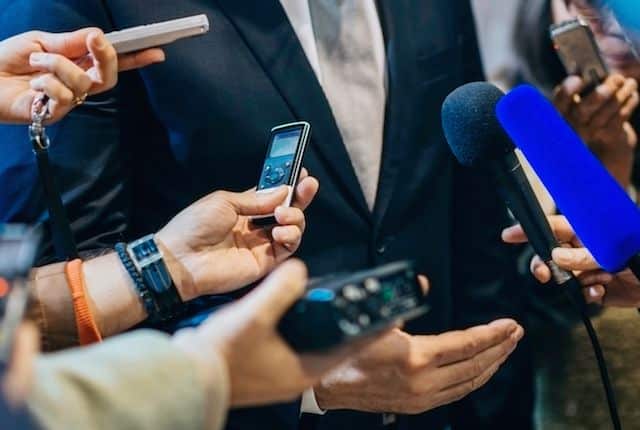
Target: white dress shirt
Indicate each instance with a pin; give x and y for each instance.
(300, 18)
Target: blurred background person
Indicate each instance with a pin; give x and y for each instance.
(607, 119)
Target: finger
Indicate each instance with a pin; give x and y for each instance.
(18, 380)
(252, 202)
(599, 97)
(290, 216)
(424, 284)
(619, 107)
(595, 277)
(72, 76)
(289, 236)
(471, 369)
(564, 93)
(457, 346)
(72, 45)
(457, 392)
(306, 191)
(105, 70)
(561, 228)
(303, 174)
(540, 270)
(595, 294)
(278, 292)
(629, 107)
(60, 95)
(138, 60)
(575, 259)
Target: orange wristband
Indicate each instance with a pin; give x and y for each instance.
(88, 332)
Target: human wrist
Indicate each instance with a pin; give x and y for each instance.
(112, 297)
(175, 261)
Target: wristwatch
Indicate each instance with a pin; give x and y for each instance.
(149, 262)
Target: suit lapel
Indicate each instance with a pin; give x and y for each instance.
(399, 48)
(264, 26)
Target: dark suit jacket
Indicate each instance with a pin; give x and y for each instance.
(131, 159)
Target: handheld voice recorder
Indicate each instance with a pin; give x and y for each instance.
(579, 52)
(283, 163)
(346, 307)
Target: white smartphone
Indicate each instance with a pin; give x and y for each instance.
(283, 163)
(154, 35)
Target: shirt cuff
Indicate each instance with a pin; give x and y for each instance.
(310, 404)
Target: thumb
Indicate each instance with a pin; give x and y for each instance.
(279, 291)
(71, 45)
(254, 203)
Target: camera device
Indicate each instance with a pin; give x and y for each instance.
(18, 249)
(579, 53)
(345, 307)
(283, 163)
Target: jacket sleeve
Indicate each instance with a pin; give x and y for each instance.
(135, 381)
(88, 160)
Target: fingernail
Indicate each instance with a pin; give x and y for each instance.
(36, 58)
(594, 293)
(508, 325)
(519, 334)
(100, 41)
(562, 254)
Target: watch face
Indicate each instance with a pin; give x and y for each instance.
(281, 157)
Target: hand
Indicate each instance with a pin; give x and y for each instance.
(262, 367)
(65, 66)
(621, 289)
(19, 377)
(413, 374)
(212, 247)
(602, 120)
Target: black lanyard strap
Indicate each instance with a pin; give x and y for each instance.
(63, 241)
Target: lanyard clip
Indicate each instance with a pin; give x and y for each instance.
(39, 114)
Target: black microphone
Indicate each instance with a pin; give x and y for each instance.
(477, 139)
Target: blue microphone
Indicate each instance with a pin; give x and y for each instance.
(600, 211)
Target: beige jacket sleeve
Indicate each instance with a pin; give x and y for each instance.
(135, 381)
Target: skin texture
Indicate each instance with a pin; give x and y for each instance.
(618, 290)
(207, 257)
(64, 66)
(412, 374)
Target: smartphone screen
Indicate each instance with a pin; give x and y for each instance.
(283, 155)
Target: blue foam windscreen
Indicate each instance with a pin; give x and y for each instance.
(603, 216)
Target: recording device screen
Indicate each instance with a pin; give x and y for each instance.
(281, 158)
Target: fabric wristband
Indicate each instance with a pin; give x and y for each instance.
(88, 331)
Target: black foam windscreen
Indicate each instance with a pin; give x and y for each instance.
(470, 124)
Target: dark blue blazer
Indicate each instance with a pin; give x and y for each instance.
(131, 159)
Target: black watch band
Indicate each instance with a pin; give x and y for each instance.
(149, 261)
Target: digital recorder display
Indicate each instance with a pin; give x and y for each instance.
(281, 158)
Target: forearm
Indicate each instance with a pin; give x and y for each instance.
(140, 380)
(110, 293)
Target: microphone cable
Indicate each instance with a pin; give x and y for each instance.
(573, 290)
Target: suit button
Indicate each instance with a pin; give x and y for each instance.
(381, 249)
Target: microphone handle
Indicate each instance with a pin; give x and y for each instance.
(518, 195)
